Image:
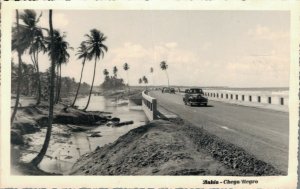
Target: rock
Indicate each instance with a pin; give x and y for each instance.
(123, 123)
(115, 119)
(26, 126)
(16, 137)
(98, 148)
(155, 170)
(42, 121)
(95, 135)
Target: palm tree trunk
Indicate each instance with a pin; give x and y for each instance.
(19, 75)
(39, 80)
(168, 79)
(128, 83)
(56, 85)
(43, 151)
(91, 86)
(79, 83)
(59, 85)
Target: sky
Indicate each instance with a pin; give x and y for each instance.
(201, 48)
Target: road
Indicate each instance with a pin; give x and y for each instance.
(263, 133)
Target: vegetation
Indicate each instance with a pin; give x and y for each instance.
(164, 66)
(126, 68)
(30, 37)
(20, 50)
(96, 50)
(82, 54)
(111, 82)
(43, 151)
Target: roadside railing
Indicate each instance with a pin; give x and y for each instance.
(247, 97)
(149, 105)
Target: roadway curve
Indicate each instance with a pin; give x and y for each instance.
(263, 133)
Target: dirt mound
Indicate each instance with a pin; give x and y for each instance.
(154, 149)
(166, 148)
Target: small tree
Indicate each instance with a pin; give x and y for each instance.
(115, 71)
(145, 80)
(164, 66)
(151, 71)
(126, 68)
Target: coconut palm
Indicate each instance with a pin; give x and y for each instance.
(164, 66)
(43, 151)
(151, 71)
(96, 50)
(61, 56)
(115, 71)
(126, 68)
(31, 37)
(20, 50)
(140, 81)
(106, 73)
(145, 80)
(82, 54)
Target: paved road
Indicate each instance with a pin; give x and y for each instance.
(263, 133)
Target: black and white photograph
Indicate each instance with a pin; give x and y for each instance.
(184, 93)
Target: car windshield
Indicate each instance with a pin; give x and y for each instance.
(195, 91)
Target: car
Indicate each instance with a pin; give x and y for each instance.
(194, 96)
(168, 90)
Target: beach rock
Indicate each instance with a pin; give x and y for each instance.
(122, 123)
(115, 119)
(42, 121)
(16, 137)
(95, 135)
(26, 126)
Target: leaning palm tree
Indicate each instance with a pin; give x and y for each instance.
(126, 68)
(20, 48)
(96, 50)
(82, 54)
(31, 36)
(43, 151)
(164, 66)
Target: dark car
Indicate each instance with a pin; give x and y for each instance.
(194, 96)
(168, 90)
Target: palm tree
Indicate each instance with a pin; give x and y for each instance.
(140, 81)
(32, 38)
(82, 54)
(115, 71)
(96, 50)
(151, 71)
(126, 68)
(164, 66)
(145, 80)
(61, 56)
(43, 151)
(20, 50)
(106, 73)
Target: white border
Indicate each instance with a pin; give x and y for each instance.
(6, 180)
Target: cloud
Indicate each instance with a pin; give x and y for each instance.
(263, 32)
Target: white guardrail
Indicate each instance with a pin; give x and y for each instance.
(149, 105)
(258, 97)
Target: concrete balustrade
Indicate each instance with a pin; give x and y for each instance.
(149, 105)
(258, 97)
